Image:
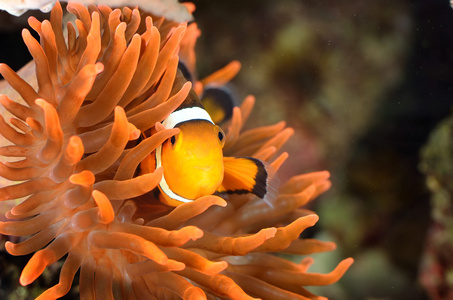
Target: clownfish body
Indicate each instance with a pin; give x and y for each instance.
(193, 161)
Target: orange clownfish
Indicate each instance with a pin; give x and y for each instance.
(193, 161)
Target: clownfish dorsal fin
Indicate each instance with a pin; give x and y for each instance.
(244, 175)
(185, 71)
(192, 99)
(217, 99)
(219, 102)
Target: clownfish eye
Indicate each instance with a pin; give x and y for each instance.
(220, 135)
(174, 141)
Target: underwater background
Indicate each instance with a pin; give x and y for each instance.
(366, 85)
(368, 88)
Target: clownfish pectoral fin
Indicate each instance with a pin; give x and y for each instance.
(218, 102)
(244, 175)
(148, 164)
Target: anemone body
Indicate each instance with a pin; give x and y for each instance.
(75, 151)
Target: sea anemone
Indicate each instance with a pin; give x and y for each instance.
(78, 138)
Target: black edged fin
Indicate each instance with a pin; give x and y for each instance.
(185, 71)
(218, 102)
(191, 99)
(244, 175)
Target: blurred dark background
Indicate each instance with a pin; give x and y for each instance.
(364, 84)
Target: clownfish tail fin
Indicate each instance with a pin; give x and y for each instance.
(272, 185)
(249, 175)
(260, 187)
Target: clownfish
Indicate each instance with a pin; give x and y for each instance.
(193, 160)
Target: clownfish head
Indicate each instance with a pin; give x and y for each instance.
(192, 161)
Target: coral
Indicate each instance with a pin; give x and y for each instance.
(76, 151)
(437, 164)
